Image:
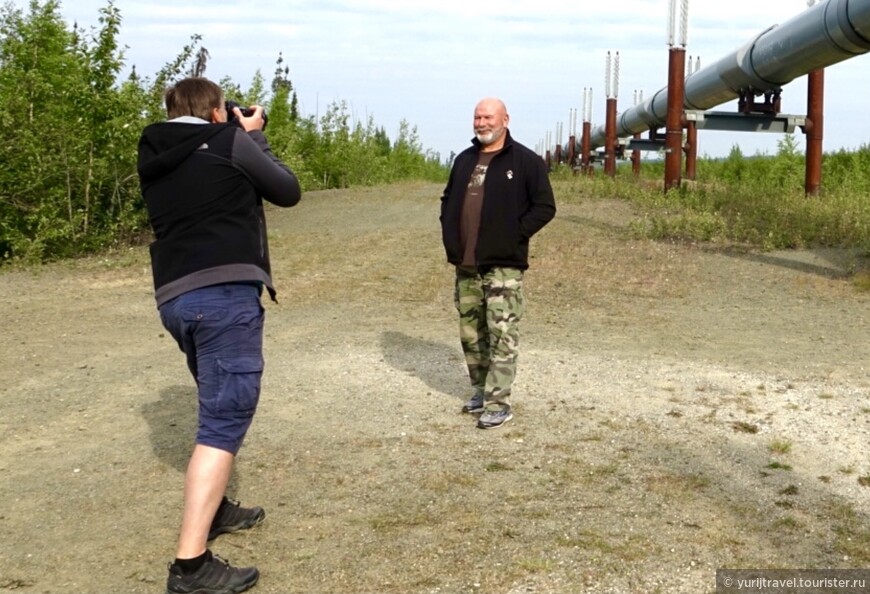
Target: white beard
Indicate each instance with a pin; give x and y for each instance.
(485, 138)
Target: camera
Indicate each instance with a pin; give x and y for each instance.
(246, 111)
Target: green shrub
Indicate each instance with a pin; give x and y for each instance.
(758, 200)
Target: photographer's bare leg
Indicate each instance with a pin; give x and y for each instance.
(208, 473)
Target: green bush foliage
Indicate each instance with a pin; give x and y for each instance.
(68, 185)
(758, 201)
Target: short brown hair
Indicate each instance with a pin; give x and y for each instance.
(193, 96)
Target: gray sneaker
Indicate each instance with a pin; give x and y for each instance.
(491, 419)
(475, 405)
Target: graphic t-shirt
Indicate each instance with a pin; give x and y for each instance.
(471, 208)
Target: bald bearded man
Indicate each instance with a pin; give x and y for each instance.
(497, 197)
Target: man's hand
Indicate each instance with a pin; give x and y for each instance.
(253, 122)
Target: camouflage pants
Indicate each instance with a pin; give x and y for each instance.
(490, 306)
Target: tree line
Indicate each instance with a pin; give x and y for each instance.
(71, 123)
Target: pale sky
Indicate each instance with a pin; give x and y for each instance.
(430, 61)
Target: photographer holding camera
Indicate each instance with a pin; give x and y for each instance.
(204, 180)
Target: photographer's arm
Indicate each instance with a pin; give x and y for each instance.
(272, 178)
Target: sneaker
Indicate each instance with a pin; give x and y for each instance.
(494, 418)
(475, 405)
(216, 576)
(231, 517)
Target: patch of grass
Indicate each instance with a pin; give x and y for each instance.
(744, 427)
(591, 437)
(861, 281)
(304, 554)
(779, 466)
(788, 523)
(370, 442)
(864, 481)
(509, 533)
(826, 396)
(558, 447)
(710, 417)
(779, 446)
(757, 201)
(578, 471)
(394, 521)
(611, 424)
(497, 467)
(625, 548)
(603, 469)
(852, 533)
(677, 485)
(840, 513)
(535, 564)
(444, 482)
(790, 490)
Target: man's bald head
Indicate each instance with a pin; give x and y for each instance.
(490, 123)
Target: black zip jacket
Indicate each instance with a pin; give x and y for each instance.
(517, 203)
(204, 186)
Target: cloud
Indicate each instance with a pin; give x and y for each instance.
(429, 61)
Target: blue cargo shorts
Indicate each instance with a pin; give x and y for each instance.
(220, 330)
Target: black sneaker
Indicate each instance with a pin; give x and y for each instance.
(231, 517)
(475, 405)
(216, 576)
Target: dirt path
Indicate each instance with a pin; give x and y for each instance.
(679, 409)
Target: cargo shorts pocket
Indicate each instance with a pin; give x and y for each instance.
(239, 384)
(203, 314)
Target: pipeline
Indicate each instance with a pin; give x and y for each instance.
(821, 36)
